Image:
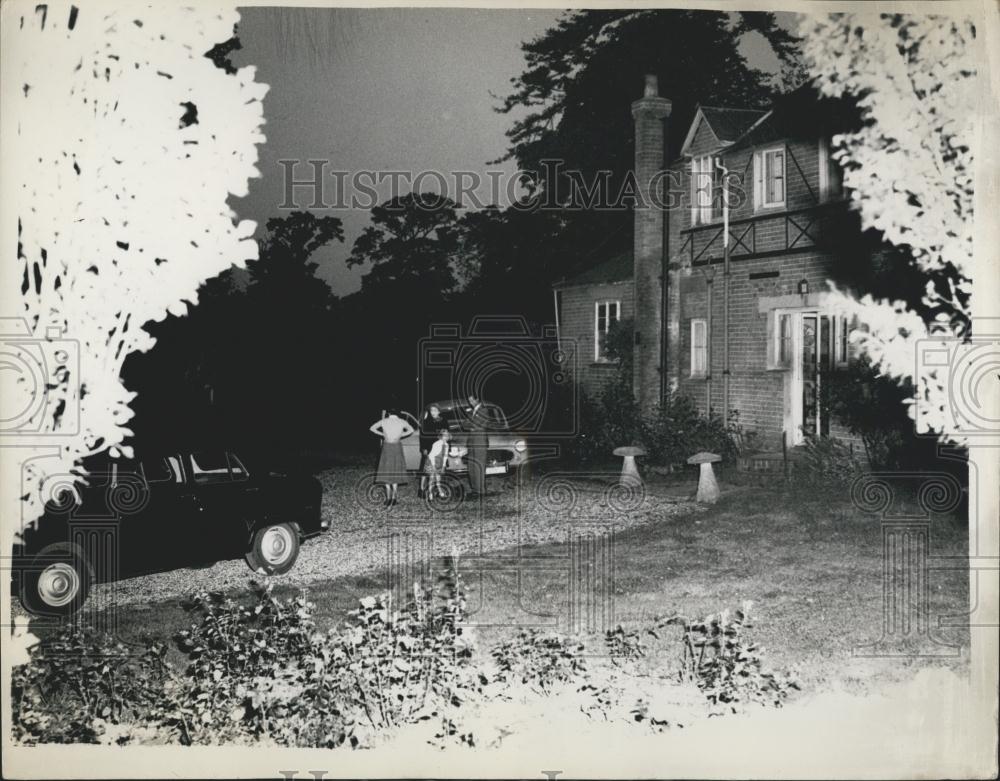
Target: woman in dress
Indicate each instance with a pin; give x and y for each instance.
(431, 426)
(391, 463)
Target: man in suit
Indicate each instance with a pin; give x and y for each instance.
(477, 444)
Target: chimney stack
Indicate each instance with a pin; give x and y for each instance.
(650, 113)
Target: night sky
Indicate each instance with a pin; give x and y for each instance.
(384, 89)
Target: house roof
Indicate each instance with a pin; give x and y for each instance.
(727, 124)
(615, 269)
(802, 113)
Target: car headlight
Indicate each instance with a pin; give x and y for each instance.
(520, 446)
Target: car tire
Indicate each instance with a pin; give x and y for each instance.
(274, 549)
(57, 581)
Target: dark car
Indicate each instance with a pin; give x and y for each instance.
(159, 513)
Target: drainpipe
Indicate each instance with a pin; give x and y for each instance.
(709, 279)
(725, 287)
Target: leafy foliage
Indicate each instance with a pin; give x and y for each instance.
(674, 430)
(411, 246)
(726, 665)
(914, 78)
(873, 408)
(122, 200)
(257, 673)
(826, 465)
(78, 680)
(573, 102)
(541, 660)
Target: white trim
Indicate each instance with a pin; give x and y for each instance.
(760, 202)
(702, 167)
(699, 117)
(598, 357)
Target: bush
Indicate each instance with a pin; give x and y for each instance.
(872, 408)
(675, 431)
(79, 681)
(538, 659)
(258, 672)
(726, 665)
(825, 465)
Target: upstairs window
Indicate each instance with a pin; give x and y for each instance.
(703, 189)
(769, 178)
(606, 314)
(699, 348)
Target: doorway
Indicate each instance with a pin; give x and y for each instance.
(813, 355)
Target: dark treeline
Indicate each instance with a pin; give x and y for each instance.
(271, 361)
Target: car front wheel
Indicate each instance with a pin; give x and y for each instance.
(57, 582)
(274, 549)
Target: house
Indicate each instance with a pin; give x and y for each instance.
(729, 267)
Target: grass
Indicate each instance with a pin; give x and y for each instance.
(813, 567)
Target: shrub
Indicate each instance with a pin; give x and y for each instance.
(257, 672)
(719, 657)
(872, 408)
(79, 681)
(678, 430)
(540, 660)
(825, 465)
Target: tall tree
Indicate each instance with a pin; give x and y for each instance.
(411, 244)
(581, 78)
(914, 80)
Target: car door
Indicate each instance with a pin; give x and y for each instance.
(224, 497)
(154, 535)
(411, 444)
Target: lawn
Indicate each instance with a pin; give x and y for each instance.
(813, 569)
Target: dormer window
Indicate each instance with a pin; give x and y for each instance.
(769, 178)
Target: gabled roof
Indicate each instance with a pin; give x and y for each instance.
(616, 269)
(727, 124)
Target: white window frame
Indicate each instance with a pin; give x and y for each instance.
(599, 357)
(760, 183)
(702, 189)
(775, 360)
(841, 352)
(699, 372)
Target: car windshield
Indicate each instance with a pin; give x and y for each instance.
(458, 417)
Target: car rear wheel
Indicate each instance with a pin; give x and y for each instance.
(274, 549)
(57, 582)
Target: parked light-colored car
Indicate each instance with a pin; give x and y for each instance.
(507, 451)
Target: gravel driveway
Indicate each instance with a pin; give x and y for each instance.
(365, 537)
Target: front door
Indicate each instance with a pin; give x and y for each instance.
(812, 359)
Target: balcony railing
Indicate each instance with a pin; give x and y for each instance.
(761, 235)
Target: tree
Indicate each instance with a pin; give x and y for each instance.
(120, 211)
(914, 81)
(411, 245)
(581, 78)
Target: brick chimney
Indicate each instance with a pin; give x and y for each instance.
(650, 113)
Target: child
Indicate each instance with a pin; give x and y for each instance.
(434, 465)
